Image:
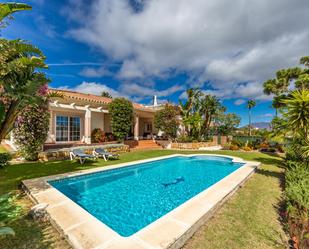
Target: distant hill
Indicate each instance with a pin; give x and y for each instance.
(260, 125)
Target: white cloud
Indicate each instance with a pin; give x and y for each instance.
(239, 102)
(142, 91)
(266, 115)
(246, 41)
(92, 72)
(133, 91)
(93, 88)
(45, 26)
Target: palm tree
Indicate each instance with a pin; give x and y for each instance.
(210, 108)
(7, 9)
(297, 112)
(278, 102)
(250, 104)
(187, 108)
(20, 80)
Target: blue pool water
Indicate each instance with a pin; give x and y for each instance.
(130, 198)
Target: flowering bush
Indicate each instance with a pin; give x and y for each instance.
(98, 136)
(31, 129)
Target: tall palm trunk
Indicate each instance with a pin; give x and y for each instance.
(249, 122)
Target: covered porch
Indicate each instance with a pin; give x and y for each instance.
(73, 118)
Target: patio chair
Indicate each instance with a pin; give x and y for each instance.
(81, 155)
(101, 152)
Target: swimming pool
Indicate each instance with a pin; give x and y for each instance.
(130, 198)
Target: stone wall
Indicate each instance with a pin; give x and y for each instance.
(64, 154)
(197, 145)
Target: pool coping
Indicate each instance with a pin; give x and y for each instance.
(172, 230)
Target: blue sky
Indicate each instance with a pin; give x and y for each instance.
(138, 48)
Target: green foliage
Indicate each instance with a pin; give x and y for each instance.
(7, 9)
(9, 211)
(238, 143)
(198, 113)
(280, 85)
(211, 108)
(297, 185)
(297, 112)
(166, 120)
(121, 111)
(106, 94)
(250, 104)
(297, 197)
(193, 121)
(4, 159)
(6, 231)
(20, 80)
(227, 123)
(98, 136)
(31, 131)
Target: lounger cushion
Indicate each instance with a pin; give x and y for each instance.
(81, 153)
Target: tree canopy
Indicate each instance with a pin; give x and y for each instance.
(293, 105)
(121, 111)
(22, 81)
(198, 112)
(7, 9)
(167, 121)
(106, 94)
(227, 123)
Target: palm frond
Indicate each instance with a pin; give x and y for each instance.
(7, 9)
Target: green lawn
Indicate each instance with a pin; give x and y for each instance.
(248, 220)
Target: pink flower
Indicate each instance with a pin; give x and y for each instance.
(43, 90)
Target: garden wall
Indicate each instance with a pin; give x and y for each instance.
(217, 140)
(63, 154)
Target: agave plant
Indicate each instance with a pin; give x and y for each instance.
(6, 230)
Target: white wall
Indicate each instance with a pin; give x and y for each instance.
(97, 120)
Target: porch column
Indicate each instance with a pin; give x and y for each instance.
(88, 126)
(52, 129)
(136, 127)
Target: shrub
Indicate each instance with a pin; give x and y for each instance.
(264, 146)
(297, 198)
(226, 146)
(109, 136)
(121, 111)
(297, 185)
(166, 120)
(238, 143)
(234, 147)
(279, 147)
(255, 144)
(4, 159)
(98, 136)
(246, 148)
(31, 129)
